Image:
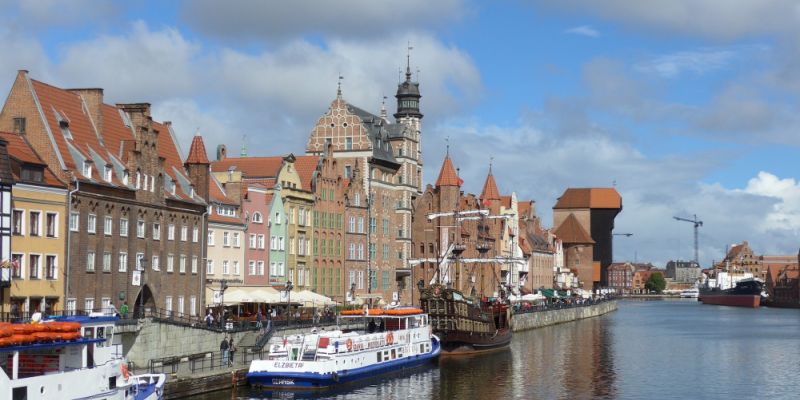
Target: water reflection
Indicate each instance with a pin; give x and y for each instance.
(655, 349)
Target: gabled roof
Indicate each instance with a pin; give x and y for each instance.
(305, 166)
(197, 151)
(571, 231)
(448, 175)
(250, 167)
(21, 152)
(589, 198)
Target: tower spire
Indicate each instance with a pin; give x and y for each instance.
(408, 62)
(339, 87)
(383, 107)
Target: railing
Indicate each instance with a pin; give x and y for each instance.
(520, 308)
(207, 361)
(25, 316)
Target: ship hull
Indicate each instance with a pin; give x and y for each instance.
(456, 343)
(732, 300)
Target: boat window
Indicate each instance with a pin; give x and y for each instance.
(101, 335)
(394, 354)
(379, 356)
(88, 333)
(422, 348)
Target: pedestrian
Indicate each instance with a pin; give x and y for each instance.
(259, 317)
(223, 348)
(124, 310)
(231, 351)
(209, 319)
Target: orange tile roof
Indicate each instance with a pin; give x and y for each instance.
(571, 231)
(251, 167)
(168, 148)
(448, 175)
(19, 150)
(117, 137)
(490, 191)
(306, 165)
(589, 198)
(197, 152)
(505, 201)
(525, 207)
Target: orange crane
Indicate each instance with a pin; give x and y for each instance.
(697, 223)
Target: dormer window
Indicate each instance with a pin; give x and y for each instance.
(172, 187)
(144, 181)
(107, 173)
(87, 169)
(138, 180)
(125, 177)
(32, 173)
(191, 192)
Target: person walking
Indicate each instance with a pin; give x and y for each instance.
(259, 317)
(223, 348)
(124, 310)
(232, 352)
(209, 319)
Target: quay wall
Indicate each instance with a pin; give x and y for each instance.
(154, 339)
(539, 319)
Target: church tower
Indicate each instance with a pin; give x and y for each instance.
(408, 144)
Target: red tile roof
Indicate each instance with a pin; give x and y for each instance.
(571, 231)
(197, 152)
(448, 175)
(589, 198)
(306, 165)
(525, 207)
(251, 167)
(18, 149)
(490, 191)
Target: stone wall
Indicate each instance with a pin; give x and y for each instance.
(159, 340)
(521, 322)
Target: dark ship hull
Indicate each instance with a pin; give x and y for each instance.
(746, 294)
(463, 325)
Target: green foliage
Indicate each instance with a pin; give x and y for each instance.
(655, 283)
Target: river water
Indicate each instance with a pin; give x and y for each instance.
(660, 349)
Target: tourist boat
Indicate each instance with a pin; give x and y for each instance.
(69, 358)
(692, 293)
(388, 341)
(465, 325)
(746, 293)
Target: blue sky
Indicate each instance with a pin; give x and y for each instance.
(688, 106)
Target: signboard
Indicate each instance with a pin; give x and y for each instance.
(284, 295)
(136, 278)
(395, 297)
(217, 297)
(349, 297)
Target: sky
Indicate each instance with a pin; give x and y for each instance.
(686, 107)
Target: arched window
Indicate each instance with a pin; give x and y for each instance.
(257, 217)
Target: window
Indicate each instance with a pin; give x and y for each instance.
(139, 259)
(352, 252)
(281, 269)
(88, 304)
(168, 305)
(195, 234)
(180, 306)
(291, 218)
(18, 225)
(19, 125)
(90, 261)
(194, 264)
(182, 264)
(123, 227)
(251, 268)
(348, 143)
(184, 233)
(291, 245)
(87, 169)
(385, 276)
(357, 199)
(156, 263)
(107, 261)
(210, 237)
(361, 251)
(301, 217)
(170, 263)
(236, 267)
(225, 269)
(192, 306)
(17, 265)
(360, 224)
(226, 239)
(260, 241)
(260, 268)
(273, 269)
(352, 225)
(277, 218)
(140, 228)
(253, 241)
(372, 251)
(107, 173)
(73, 221)
(373, 225)
(34, 223)
(171, 232)
(273, 243)
(236, 242)
(126, 176)
(280, 243)
(34, 266)
(257, 217)
(156, 231)
(122, 265)
(360, 283)
(348, 171)
(210, 267)
(385, 227)
(51, 221)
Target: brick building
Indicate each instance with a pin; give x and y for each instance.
(541, 247)
(683, 271)
(128, 183)
(593, 210)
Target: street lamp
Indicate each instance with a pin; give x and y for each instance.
(289, 288)
(142, 269)
(353, 292)
(223, 285)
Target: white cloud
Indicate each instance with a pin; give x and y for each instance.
(583, 30)
(699, 62)
(785, 213)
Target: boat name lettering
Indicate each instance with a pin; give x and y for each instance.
(370, 345)
(285, 364)
(283, 381)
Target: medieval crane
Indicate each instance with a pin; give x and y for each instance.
(697, 223)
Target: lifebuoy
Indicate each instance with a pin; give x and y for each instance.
(349, 345)
(389, 338)
(125, 373)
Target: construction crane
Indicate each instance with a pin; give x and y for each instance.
(697, 223)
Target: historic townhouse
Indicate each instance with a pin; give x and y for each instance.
(128, 186)
(356, 238)
(255, 203)
(226, 239)
(541, 244)
(38, 208)
(391, 156)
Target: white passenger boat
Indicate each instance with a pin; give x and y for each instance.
(69, 358)
(388, 340)
(690, 293)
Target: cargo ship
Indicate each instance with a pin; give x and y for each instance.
(746, 293)
(465, 325)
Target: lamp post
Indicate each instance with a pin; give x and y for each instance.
(142, 269)
(353, 293)
(289, 288)
(223, 285)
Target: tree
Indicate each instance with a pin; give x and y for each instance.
(655, 283)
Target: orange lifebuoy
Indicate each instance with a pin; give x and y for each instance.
(389, 338)
(125, 373)
(349, 345)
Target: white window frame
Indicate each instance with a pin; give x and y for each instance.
(195, 234)
(209, 267)
(108, 225)
(90, 261)
(122, 261)
(123, 227)
(236, 240)
(170, 262)
(194, 265)
(141, 226)
(156, 263)
(74, 222)
(182, 264)
(156, 230)
(171, 232)
(184, 233)
(210, 237)
(226, 239)
(91, 223)
(106, 261)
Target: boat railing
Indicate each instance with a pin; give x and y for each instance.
(207, 361)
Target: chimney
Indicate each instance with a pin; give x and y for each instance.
(139, 114)
(93, 98)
